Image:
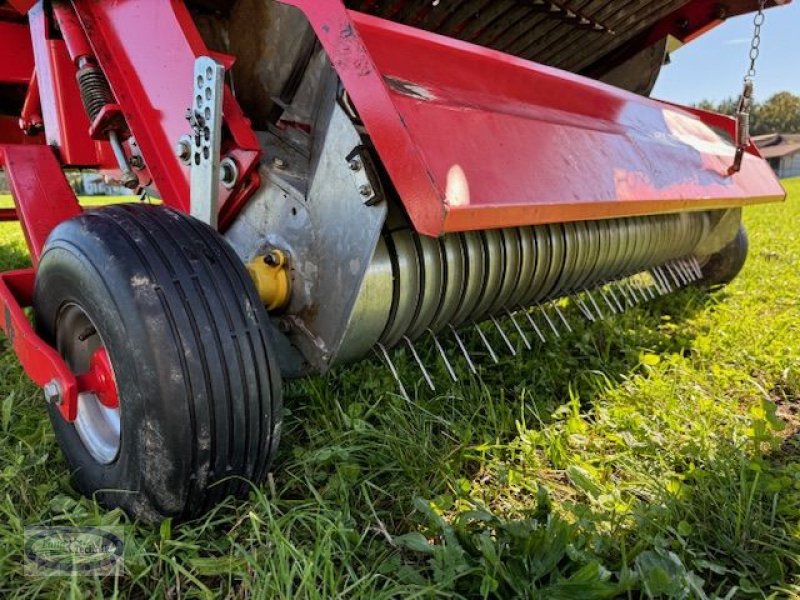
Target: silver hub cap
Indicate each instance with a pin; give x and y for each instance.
(97, 425)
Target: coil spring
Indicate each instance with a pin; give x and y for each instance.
(95, 91)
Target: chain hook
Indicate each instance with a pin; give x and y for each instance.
(746, 99)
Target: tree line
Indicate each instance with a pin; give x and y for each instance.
(778, 114)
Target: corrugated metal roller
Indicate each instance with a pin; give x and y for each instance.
(430, 284)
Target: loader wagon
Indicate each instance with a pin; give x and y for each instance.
(324, 180)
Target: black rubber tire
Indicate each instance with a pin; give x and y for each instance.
(723, 267)
(199, 387)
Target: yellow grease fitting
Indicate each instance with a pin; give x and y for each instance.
(271, 277)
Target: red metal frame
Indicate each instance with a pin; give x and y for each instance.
(44, 199)
(42, 195)
(154, 93)
(16, 57)
(40, 360)
(477, 139)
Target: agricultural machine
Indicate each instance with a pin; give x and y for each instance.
(321, 180)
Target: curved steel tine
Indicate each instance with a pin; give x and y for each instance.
(535, 326)
(649, 288)
(549, 321)
(422, 368)
(602, 293)
(675, 278)
(463, 348)
(486, 343)
(610, 289)
(447, 365)
(594, 303)
(561, 316)
(632, 291)
(385, 356)
(664, 279)
(625, 293)
(681, 273)
(584, 309)
(519, 329)
(689, 270)
(659, 283)
(504, 336)
(696, 266)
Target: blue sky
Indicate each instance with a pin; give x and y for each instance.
(712, 66)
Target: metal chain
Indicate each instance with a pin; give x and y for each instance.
(746, 99)
(755, 44)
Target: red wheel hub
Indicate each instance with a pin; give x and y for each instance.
(99, 379)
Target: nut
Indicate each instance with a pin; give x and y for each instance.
(355, 165)
(366, 190)
(279, 163)
(52, 392)
(183, 150)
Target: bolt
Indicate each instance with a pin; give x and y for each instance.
(137, 162)
(183, 150)
(274, 258)
(52, 392)
(279, 163)
(366, 190)
(129, 179)
(229, 172)
(355, 165)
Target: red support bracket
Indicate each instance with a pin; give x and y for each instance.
(43, 199)
(42, 195)
(40, 360)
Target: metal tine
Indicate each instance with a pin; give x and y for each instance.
(610, 289)
(602, 293)
(625, 293)
(649, 287)
(689, 270)
(670, 276)
(447, 365)
(486, 343)
(562, 317)
(547, 318)
(662, 288)
(696, 266)
(681, 273)
(584, 309)
(682, 268)
(504, 336)
(385, 356)
(637, 293)
(519, 330)
(664, 279)
(535, 326)
(675, 277)
(594, 303)
(463, 348)
(422, 368)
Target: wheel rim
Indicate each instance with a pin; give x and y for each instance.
(98, 426)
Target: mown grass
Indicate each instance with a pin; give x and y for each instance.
(654, 454)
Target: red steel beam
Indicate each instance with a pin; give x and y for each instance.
(40, 360)
(16, 55)
(42, 195)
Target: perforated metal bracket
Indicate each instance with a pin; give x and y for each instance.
(205, 117)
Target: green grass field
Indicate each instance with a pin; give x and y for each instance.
(655, 454)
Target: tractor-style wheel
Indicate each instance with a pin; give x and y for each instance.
(723, 267)
(188, 410)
